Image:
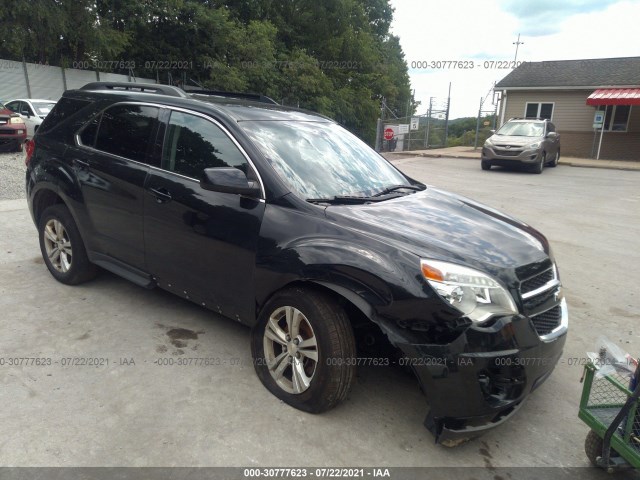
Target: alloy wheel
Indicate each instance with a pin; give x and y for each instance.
(291, 349)
(57, 245)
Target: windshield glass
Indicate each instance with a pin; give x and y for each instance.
(322, 159)
(522, 129)
(43, 108)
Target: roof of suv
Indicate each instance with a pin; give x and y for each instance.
(238, 106)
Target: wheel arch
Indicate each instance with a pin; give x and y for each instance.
(43, 198)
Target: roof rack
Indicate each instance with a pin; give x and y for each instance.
(256, 97)
(528, 118)
(137, 87)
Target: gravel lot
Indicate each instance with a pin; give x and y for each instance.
(12, 176)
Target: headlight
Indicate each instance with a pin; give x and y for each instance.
(534, 145)
(15, 120)
(476, 295)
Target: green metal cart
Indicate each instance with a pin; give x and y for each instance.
(611, 410)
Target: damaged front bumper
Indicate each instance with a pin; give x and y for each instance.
(480, 379)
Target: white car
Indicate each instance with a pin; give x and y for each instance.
(32, 111)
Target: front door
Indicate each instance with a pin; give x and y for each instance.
(198, 243)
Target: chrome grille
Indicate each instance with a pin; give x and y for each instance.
(538, 281)
(546, 322)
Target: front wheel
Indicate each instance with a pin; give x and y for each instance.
(485, 164)
(554, 162)
(19, 147)
(304, 350)
(539, 166)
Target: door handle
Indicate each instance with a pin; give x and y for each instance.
(81, 164)
(162, 194)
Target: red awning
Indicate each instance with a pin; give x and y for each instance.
(615, 96)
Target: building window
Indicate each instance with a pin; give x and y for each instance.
(619, 114)
(539, 110)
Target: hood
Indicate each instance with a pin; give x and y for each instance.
(441, 225)
(513, 140)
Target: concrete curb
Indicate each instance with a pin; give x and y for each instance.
(563, 161)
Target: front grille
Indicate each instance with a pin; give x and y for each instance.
(508, 153)
(546, 322)
(536, 282)
(7, 131)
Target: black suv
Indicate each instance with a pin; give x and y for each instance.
(282, 220)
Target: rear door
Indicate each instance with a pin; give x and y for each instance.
(198, 243)
(111, 163)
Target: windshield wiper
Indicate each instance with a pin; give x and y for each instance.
(340, 199)
(393, 188)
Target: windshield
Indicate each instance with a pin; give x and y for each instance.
(522, 129)
(43, 108)
(322, 159)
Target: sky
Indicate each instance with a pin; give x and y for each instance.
(479, 31)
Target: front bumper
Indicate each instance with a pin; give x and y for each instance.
(480, 379)
(506, 157)
(11, 136)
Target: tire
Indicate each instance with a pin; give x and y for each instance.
(19, 147)
(538, 167)
(485, 164)
(322, 382)
(56, 229)
(593, 447)
(554, 163)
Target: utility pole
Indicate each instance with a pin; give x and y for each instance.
(446, 121)
(517, 43)
(426, 138)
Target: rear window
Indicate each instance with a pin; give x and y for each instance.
(65, 108)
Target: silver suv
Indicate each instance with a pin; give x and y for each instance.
(529, 142)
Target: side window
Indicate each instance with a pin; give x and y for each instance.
(193, 143)
(551, 127)
(126, 130)
(14, 106)
(88, 134)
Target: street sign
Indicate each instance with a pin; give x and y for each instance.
(402, 129)
(598, 119)
(388, 134)
(414, 123)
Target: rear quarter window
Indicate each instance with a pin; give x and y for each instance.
(64, 109)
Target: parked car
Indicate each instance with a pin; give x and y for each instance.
(532, 143)
(32, 111)
(13, 131)
(282, 220)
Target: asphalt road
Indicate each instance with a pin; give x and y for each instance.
(135, 412)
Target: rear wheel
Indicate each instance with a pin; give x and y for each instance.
(593, 447)
(62, 247)
(303, 350)
(485, 164)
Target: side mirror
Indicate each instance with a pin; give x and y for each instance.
(492, 132)
(551, 134)
(229, 180)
